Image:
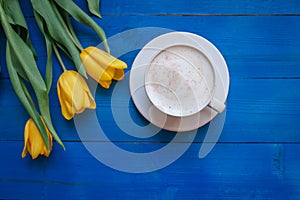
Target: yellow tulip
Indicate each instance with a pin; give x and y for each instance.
(102, 66)
(74, 94)
(33, 141)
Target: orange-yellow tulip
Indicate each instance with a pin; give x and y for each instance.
(33, 141)
(74, 94)
(102, 66)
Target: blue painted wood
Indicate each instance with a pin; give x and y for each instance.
(257, 156)
(251, 171)
(257, 112)
(189, 7)
(253, 46)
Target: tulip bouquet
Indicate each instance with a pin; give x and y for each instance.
(52, 18)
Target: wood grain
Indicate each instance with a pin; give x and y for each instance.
(190, 7)
(251, 171)
(254, 47)
(257, 155)
(256, 112)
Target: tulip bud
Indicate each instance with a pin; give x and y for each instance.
(33, 141)
(74, 94)
(102, 66)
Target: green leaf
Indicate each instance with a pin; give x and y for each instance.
(23, 54)
(26, 60)
(79, 15)
(48, 76)
(18, 67)
(66, 18)
(24, 96)
(94, 7)
(15, 17)
(58, 31)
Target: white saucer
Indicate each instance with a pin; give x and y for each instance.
(143, 60)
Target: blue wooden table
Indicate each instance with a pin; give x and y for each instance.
(257, 154)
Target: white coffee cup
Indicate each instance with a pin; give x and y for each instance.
(180, 81)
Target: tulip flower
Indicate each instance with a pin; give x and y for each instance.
(33, 141)
(102, 66)
(74, 94)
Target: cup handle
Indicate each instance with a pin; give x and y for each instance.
(217, 105)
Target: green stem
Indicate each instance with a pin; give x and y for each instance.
(26, 92)
(15, 43)
(79, 15)
(77, 44)
(59, 58)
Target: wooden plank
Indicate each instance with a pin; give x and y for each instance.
(264, 47)
(129, 7)
(257, 154)
(259, 110)
(229, 171)
(188, 7)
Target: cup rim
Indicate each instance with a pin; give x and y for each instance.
(199, 106)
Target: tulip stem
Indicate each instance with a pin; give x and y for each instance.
(77, 44)
(59, 58)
